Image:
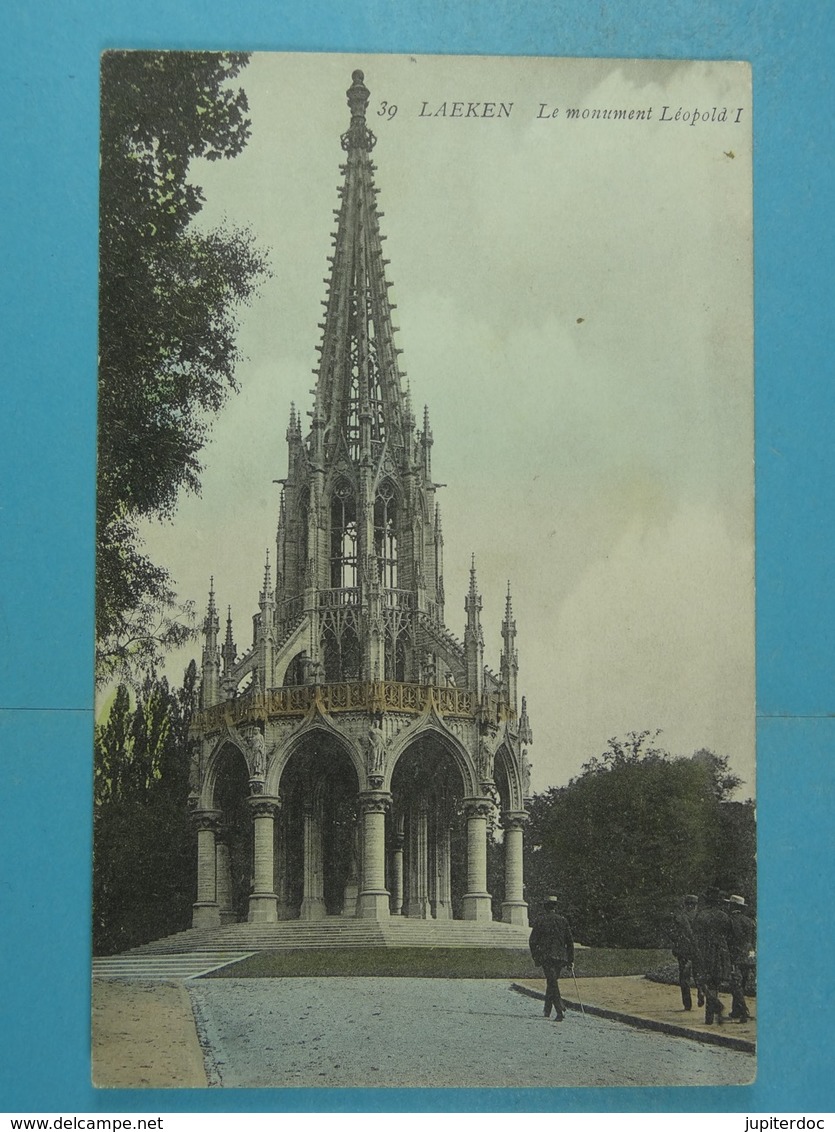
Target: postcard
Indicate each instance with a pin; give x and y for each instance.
(425, 573)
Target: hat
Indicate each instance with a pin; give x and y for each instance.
(691, 898)
(550, 900)
(739, 901)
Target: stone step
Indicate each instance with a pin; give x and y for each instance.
(338, 932)
(158, 967)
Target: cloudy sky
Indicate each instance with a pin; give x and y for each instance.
(574, 303)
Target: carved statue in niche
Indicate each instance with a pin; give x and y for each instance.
(256, 745)
(487, 747)
(376, 754)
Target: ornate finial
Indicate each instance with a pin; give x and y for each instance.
(212, 594)
(267, 582)
(358, 95)
(508, 603)
(358, 135)
(473, 585)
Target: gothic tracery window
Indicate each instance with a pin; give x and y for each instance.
(343, 538)
(385, 535)
(341, 653)
(304, 528)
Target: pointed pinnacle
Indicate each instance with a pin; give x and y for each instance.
(267, 572)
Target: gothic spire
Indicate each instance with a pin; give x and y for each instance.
(228, 652)
(211, 660)
(267, 582)
(358, 389)
(211, 624)
(510, 657)
(473, 636)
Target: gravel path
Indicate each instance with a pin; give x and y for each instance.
(430, 1032)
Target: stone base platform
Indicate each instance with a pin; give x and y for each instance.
(339, 932)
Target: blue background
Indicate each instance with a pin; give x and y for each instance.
(47, 434)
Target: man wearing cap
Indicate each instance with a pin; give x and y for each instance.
(552, 948)
(741, 934)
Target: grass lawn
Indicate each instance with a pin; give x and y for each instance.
(432, 963)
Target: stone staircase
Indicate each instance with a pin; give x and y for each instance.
(336, 932)
(158, 966)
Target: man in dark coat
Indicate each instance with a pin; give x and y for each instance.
(711, 929)
(679, 930)
(552, 948)
(741, 935)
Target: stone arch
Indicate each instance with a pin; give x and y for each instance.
(294, 672)
(229, 797)
(214, 763)
(506, 777)
(316, 850)
(318, 725)
(455, 748)
(428, 787)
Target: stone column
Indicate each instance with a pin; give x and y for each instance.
(373, 900)
(352, 886)
(263, 902)
(397, 871)
(313, 894)
(280, 865)
(206, 912)
(224, 879)
(476, 903)
(443, 885)
(514, 908)
(420, 907)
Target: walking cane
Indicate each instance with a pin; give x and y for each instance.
(577, 991)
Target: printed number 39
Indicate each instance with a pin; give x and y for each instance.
(387, 110)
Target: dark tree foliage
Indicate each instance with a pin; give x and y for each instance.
(169, 294)
(633, 832)
(143, 845)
